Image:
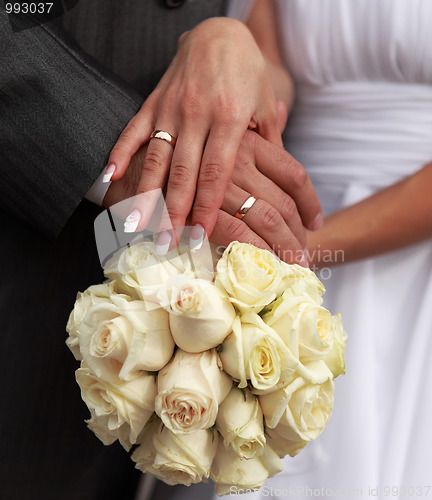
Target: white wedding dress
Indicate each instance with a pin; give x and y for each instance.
(362, 121)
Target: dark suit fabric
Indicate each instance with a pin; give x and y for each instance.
(66, 91)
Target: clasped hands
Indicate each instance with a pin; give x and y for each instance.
(217, 101)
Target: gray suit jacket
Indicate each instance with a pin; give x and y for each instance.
(63, 105)
(67, 89)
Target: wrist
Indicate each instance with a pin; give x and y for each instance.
(323, 250)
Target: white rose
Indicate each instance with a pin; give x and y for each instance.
(200, 318)
(93, 295)
(142, 271)
(120, 336)
(190, 389)
(184, 458)
(299, 280)
(254, 351)
(124, 407)
(306, 327)
(301, 410)
(251, 277)
(283, 446)
(176, 458)
(145, 452)
(233, 474)
(240, 422)
(100, 427)
(335, 359)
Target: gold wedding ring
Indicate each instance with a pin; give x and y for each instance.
(164, 136)
(245, 207)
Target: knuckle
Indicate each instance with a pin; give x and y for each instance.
(167, 101)
(271, 218)
(176, 216)
(129, 133)
(153, 161)
(180, 175)
(287, 207)
(229, 111)
(236, 230)
(212, 173)
(272, 113)
(203, 212)
(299, 178)
(191, 106)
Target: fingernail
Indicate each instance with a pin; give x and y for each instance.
(163, 243)
(196, 237)
(304, 262)
(317, 222)
(132, 221)
(109, 171)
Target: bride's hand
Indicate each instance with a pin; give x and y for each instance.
(215, 88)
(285, 204)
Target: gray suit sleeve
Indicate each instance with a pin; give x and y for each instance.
(60, 116)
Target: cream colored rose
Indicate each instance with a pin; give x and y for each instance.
(240, 422)
(176, 458)
(95, 294)
(251, 277)
(283, 446)
(145, 452)
(184, 458)
(255, 352)
(335, 359)
(299, 280)
(234, 475)
(142, 271)
(200, 318)
(306, 327)
(301, 410)
(100, 427)
(190, 389)
(123, 407)
(120, 336)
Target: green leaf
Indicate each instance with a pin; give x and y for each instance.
(212, 432)
(265, 428)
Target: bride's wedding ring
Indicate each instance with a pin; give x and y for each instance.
(164, 136)
(245, 207)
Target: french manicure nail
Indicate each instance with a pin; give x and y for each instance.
(304, 260)
(317, 222)
(109, 171)
(196, 237)
(132, 221)
(163, 243)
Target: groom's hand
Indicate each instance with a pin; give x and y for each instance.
(286, 202)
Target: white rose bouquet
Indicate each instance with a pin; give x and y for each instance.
(207, 376)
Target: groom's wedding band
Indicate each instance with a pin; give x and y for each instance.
(164, 136)
(245, 207)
